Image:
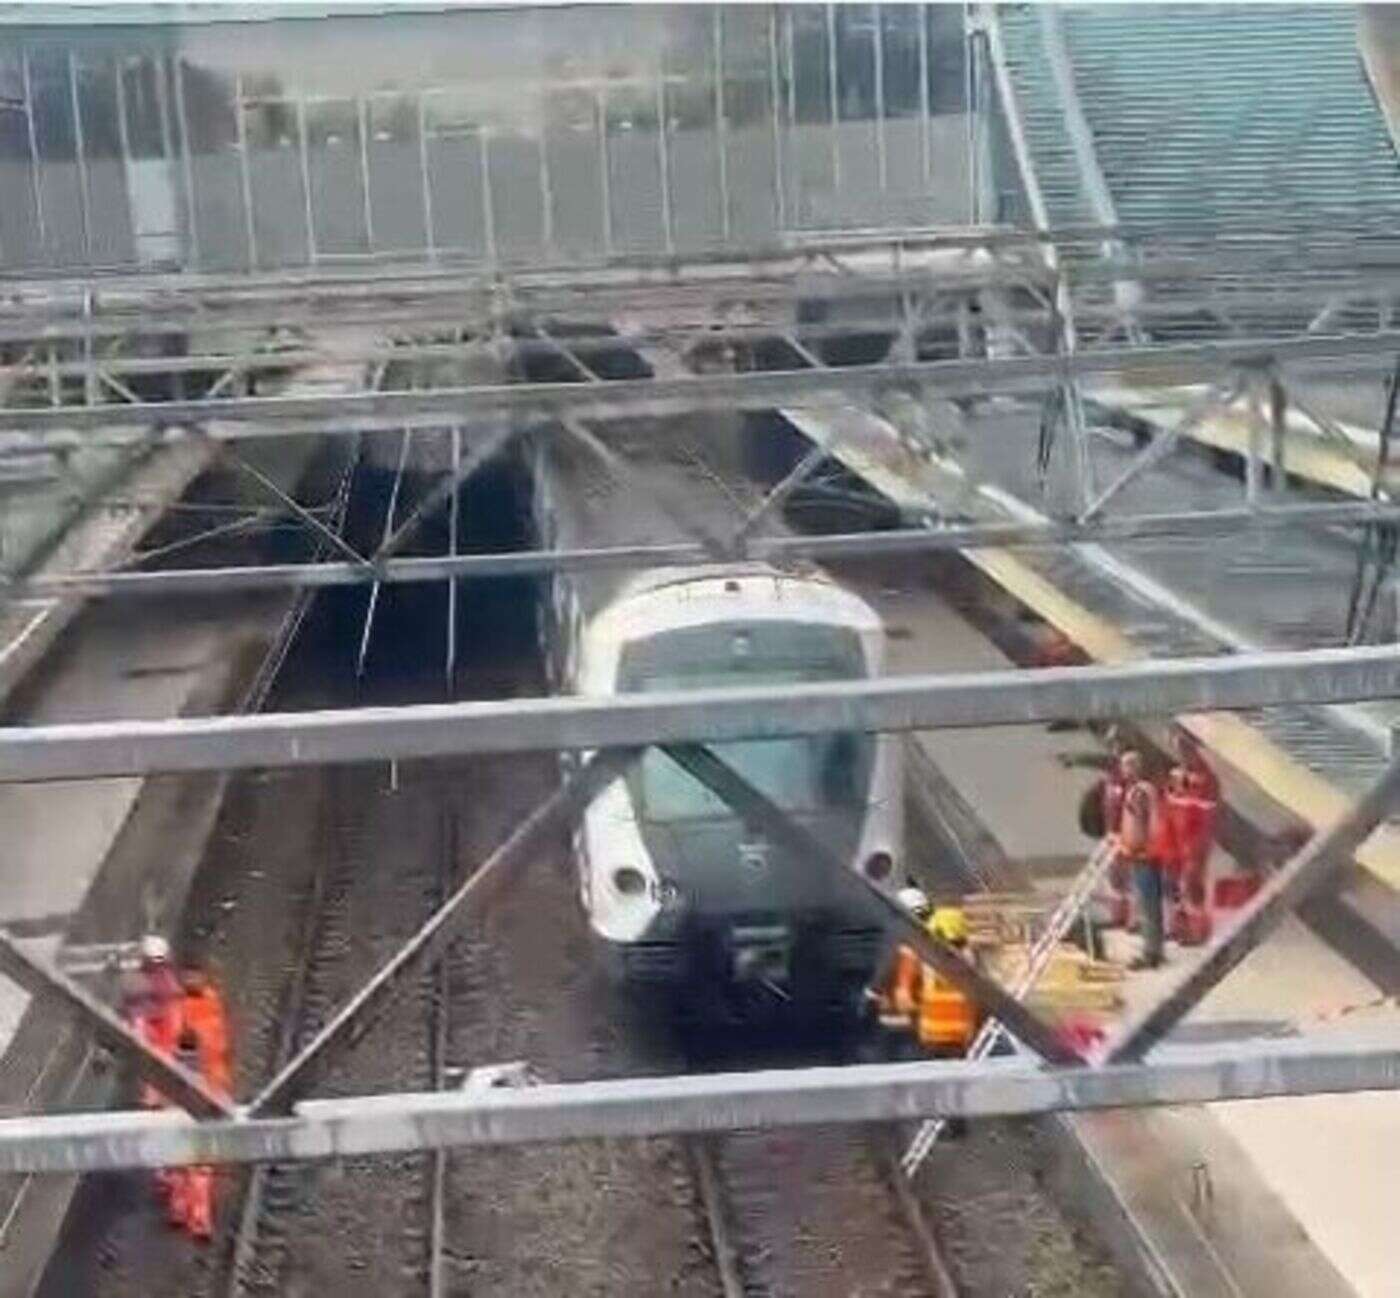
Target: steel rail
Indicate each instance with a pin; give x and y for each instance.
(638, 1107)
(1161, 687)
(752, 390)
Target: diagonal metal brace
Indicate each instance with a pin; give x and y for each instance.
(348, 1027)
(300, 510)
(1319, 861)
(747, 802)
(181, 1086)
(776, 498)
(1163, 444)
(477, 455)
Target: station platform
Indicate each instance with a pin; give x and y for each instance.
(1173, 597)
(1292, 1197)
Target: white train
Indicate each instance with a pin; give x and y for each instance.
(677, 892)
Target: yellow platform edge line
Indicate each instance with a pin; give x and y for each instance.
(1306, 455)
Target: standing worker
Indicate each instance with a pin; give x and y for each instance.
(896, 988)
(151, 1002)
(1139, 838)
(151, 995)
(947, 1017)
(1100, 814)
(1199, 813)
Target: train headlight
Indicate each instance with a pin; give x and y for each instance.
(629, 881)
(879, 866)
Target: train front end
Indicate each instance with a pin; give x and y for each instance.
(680, 892)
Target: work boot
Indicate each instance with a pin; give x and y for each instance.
(1141, 962)
(1196, 930)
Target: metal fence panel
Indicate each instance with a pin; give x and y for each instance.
(498, 137)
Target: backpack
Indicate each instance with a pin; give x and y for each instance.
(1091, 817)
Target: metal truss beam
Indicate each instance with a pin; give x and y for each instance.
(760, 814)
(1151, 687)
(672, 311)
(750, 390)
(776, 549)
(172, 1080)
(1176, 252)
(639, 1107)
(204, 290)
(1320, 860)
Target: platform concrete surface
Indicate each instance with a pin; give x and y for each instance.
(1331, 1161)
(1011, 775)
(58, 835)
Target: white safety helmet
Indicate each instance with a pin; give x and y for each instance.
(154, 949)
(914, 901)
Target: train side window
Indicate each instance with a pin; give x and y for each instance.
(838, 772)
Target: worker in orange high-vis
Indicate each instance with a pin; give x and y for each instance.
(190, 1205)
(152, 1003)
(895, 992)
(205, 1015)
(948, 1019)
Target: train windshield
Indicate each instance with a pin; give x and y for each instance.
(810, 774)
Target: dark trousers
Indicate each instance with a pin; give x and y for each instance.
(1147, 883)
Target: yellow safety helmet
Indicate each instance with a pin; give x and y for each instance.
(950, 924)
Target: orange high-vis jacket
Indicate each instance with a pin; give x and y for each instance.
(206, 1018)
(904, 981)
(947, 1016)
(898, 996)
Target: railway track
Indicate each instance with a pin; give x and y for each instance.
(273, 1190)
(278, 1199)
(439, 1035)
(815, 1213)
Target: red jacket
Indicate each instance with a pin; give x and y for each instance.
(1199, 811)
